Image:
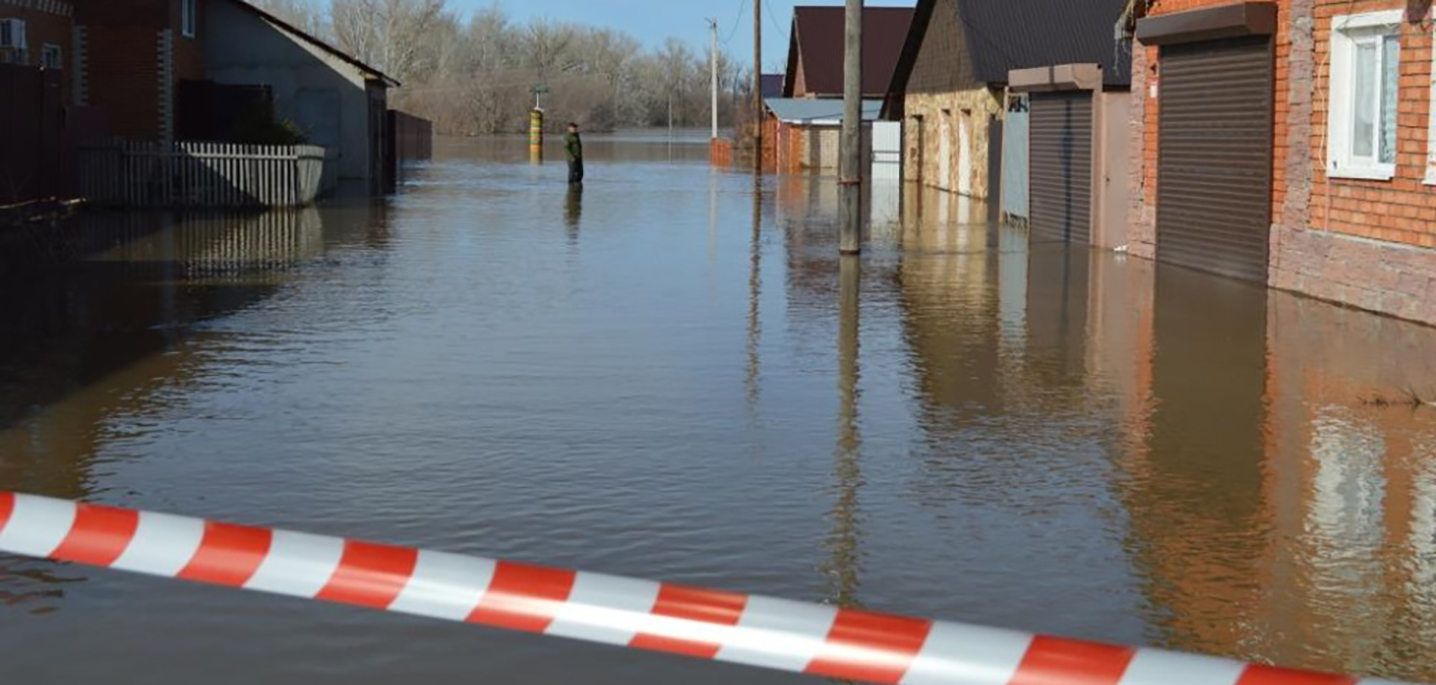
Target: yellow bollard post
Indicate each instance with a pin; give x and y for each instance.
(536, 136)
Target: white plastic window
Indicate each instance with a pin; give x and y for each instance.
(1365, 95)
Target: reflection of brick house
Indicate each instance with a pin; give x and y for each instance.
(1289, 142)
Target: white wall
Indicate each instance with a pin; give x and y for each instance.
(324, 95)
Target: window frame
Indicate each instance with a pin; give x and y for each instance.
(48, 49)
(189, 18)
(1346, 32)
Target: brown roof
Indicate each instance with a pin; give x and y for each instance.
(817, 40)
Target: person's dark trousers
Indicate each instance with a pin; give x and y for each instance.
(575, 171)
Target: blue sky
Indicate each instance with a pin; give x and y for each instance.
(653, 21)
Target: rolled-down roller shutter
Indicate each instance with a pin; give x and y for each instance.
(1214, 190)
(1061, 166)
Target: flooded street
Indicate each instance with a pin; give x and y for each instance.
(670, 375)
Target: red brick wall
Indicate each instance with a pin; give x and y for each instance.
(1402, 210)
(189, 52)
(149, 13)
(124, 58)
(1149, 142)
(123, 78)
(43, 27)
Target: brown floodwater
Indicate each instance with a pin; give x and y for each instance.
(671, 375)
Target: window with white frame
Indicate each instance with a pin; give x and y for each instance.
(1364, 95)
(51, 57)
(13, 49)
(189, 18)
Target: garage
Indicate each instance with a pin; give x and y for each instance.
(1215, 128)
(1060, 166)
(1077, 152)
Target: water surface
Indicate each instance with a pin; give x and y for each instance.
(671, 375)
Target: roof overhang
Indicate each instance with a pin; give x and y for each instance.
(1237, 20)
(823, 112)
(1056, 78)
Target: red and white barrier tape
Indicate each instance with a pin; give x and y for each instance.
(724, 626)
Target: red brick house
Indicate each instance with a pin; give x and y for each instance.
(36, 33)
(1289, 142)
(130, 58)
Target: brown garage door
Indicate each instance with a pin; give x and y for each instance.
(1214, 186)
(1060, 158)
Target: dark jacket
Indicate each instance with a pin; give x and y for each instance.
(573, 145)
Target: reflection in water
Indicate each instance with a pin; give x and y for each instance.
(753, 375)
(89, 354)
(573, 211)
(1029, 435)
(846, 566)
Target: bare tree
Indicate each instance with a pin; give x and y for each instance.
(304, 15)
(392, 35)
(474, 77)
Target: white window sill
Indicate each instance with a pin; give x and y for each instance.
(1430, 177)
(1379, 173)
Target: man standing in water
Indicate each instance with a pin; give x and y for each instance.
(573, 145)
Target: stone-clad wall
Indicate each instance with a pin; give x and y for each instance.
(922, 147)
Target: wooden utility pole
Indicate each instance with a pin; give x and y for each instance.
(851, 173)
(713, 24)
(758, 86)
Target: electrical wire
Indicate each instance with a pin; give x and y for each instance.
(742, 10)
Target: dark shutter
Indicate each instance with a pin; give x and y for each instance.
(1214, 189)
(1061, 166)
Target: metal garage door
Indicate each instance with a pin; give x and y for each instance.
(1215, 170)
(1060, 131)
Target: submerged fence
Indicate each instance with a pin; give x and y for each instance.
(820, 640)
(136, 174)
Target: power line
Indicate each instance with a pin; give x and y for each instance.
(742, 10)
(772, 18)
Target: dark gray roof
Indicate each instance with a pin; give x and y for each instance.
(1002, 35)
(1020, 34)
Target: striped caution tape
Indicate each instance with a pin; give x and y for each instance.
(724, 626)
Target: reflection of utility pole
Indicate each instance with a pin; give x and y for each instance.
(852, 171)
(758, 86)
(755, 298)
(845, 566)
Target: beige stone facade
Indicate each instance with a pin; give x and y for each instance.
(954, 125)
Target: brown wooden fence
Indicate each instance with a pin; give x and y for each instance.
(31, 121)
(148, 175)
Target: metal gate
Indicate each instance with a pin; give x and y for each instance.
(1214, 190)
(1015, 159)
(887, 151)
(1061, 166)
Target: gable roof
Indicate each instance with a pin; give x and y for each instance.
(817, 41)
(772, 86)
(345, 57)
(1002, 35)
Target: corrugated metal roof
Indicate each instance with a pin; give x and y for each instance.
(818, 35)
(818, 112)
(1002, 35)
(1020, 34)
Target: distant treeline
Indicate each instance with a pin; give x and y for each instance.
(476, 76)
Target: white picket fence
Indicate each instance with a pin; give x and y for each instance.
(125, 173)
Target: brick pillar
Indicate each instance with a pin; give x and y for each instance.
(80, 66)
(1142, 221)
(1296, 209)
(167, 85)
